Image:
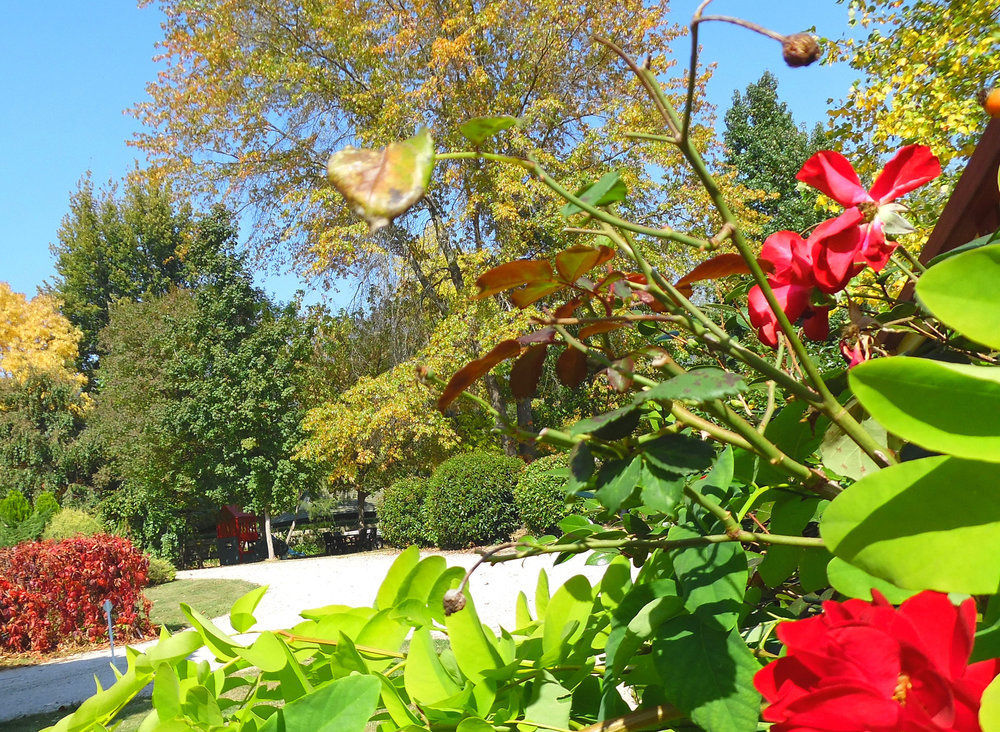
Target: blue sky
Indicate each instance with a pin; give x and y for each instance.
(69, 69)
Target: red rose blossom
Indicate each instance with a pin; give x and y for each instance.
(793, 283)
(868, 667)
(857, 236)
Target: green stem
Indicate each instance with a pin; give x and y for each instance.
(731, 524)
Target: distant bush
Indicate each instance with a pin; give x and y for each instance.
(20, 522)
(14, 508)
(401, 517)
(70, 522)
(53, 591)
(470, 500)
(541, 497)
(161, 571)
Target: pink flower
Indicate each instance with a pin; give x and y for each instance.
(857, 236)
(868, 667)
(793, 282)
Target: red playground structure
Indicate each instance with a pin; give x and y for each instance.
(237, 532)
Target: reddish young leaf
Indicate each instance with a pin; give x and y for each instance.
(571, 367)
(602, 327)
(545, 335)
(466, 375)
(714, 268)
(567, 309)
(526, 371)
(512, 274)
(534, 292)
(580, 259)
(619, 381)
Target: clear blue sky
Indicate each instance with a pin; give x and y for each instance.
(69, 69)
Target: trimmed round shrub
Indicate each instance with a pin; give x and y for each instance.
(470, 500)
(161, 571)
(401, 517)
(69, 522)
(541, 498)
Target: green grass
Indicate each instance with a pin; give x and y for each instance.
(210, 597)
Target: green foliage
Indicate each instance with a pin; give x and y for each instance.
(470, 500)
(14, 508)
(161, 571)
(402, 517)
(20, 521)
(69, 522)
(766, 149)
(541, 493)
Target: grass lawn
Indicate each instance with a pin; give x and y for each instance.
(210, 597)
(130, 718)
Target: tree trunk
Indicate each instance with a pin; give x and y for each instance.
(499, 403)
(362, 495)
(526, 421)
(267, 537)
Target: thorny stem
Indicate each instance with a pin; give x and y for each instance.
(771, 385)
(731, 524)
(829, 405)
(635, 721)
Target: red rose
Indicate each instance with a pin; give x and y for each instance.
(856, 237)
(868, 667)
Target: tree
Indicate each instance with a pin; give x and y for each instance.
(129, 246)
(200, 402)
(922, 65)
(35, 338)
(766, 149)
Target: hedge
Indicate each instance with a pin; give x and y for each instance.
(401, 517)
(541, 496)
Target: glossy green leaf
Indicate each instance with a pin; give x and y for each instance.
(344, 705)
(708, 674)
(609, 426)
(394, 703)
(542, 594)
(522, 614)
(962, 293)
(396, 576)
(479, 129)
(679, 454)
(570, 605)
(473, 651)
(945, 407)
(241, 616)
(616, 481)
(166, 692)
(625, 640)
(789, 515)
(698, 386)
(989, 707)
(661, 490)
(712, 578)
(381, 185)
(927, 524)
(855, 582)
(609, 189)
(420, 581)
(548, 702)
(223, 646)
(842, 455)
(268, 653)
(474, 724)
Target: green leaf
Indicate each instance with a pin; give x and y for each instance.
(695, 387)
(962, 293)
(548, 702)
(166, 692)
(611, 426)
(473, 651)
(542, 595)
(395, 577)
(945, 407)
(241, 616)
(989, 707)
(609, 189)
(931, 524)
(789, 516)
(344, 705)
(474, 724)
(479, 129)
(625, 640)
(981, 241)
(381, 185)
(854, 582)
(679, 454)
(841, 454)
(581, 467)
(712, 578)
(616, 480)
(661, 489)
(570, 605)
(223, 646)
(708, 675)
(420, 581)
(268, 653)
(796, 434)
(394, 703)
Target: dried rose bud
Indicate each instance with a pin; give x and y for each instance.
(454, 601)
(800, 49)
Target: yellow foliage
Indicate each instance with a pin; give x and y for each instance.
(36, 337)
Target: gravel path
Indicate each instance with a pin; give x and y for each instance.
(294, 585)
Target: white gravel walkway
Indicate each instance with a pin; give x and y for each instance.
(294, 585)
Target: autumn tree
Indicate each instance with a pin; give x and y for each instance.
(35, 337)
(766, 148)
(117, 244)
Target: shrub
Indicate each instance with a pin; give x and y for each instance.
(71, 579)
(25, 623)
(18, 522)
(401, 517)
(161, 571)
(14, 508)
(470, 500)
(70, 522)
(541, 498)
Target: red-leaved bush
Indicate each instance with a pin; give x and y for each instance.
(52, 592)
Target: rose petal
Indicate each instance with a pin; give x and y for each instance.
(830, 172)
(943, 632)
(874, 248)
(836, 245)
(909, 168)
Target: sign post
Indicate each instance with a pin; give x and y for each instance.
(111, 631)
